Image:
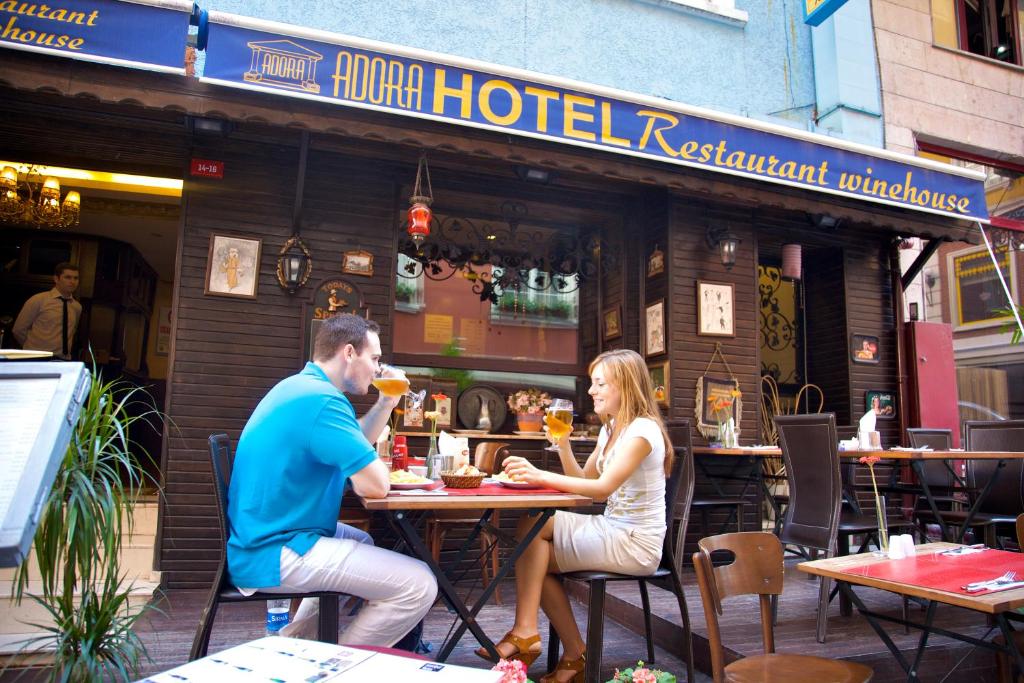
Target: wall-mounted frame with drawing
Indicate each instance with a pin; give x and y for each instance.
(233, 266)
(654, 328)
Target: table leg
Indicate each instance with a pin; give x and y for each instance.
(449, 644)
(919, 471)
(845, 588)
(1017, 657)
(400, 523)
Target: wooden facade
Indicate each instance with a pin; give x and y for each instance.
(227, 352)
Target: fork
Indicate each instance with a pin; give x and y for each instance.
(1008, 577)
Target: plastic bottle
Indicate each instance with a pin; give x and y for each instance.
(400, 454)
(277, 616)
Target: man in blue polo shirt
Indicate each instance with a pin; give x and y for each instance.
(295, 454)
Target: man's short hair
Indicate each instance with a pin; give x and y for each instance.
(62, 266)
(342, 329)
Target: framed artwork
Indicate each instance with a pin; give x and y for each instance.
(656, 262)
(660, 381)
(882, 403)
(612, 323)
(357, 263)
(864, 348)
(654, 328)
(709, 391)
(716, 314)
(233, 267)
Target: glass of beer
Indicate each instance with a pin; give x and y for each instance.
(558, 418)
(390, 383)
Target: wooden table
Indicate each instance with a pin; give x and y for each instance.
(753, 474)
(917, 460)
(995, 604)
(401, 510)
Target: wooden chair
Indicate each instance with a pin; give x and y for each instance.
(487, 457)
(222, 591)
(757, 569)
(678, 494)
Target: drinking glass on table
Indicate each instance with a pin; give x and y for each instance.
(558, 418)
(392, 382)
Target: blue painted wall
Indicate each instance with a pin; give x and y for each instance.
(762, 69)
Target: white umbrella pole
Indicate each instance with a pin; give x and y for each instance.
(1002, 280)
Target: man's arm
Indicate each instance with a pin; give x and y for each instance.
(372, 423)
(25, 319)
(372, 481)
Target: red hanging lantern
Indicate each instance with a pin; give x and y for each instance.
(419, 209)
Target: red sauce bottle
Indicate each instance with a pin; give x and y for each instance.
(400, 454)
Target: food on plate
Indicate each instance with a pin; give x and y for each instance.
(403, 477)
(503, 476)
(467, 471)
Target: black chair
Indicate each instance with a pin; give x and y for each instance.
(222, 591)
(678, 494)
(1005, 499)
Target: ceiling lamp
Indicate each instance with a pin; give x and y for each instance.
(36, 201)
(419, 205)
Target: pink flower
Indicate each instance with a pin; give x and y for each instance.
(644, 676)
(514, 671)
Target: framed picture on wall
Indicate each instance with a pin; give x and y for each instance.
(654, 328)
(656, 262)
(233, 267)
(864, 348)
(882, 403)
(716, 314)
(660, 379)
(612, 327)
(357, 263)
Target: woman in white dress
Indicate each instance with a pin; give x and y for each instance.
(628, 469)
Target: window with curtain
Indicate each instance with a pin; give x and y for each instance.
(990, 28)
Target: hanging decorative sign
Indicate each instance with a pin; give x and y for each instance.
(718, 400)
(354, 72)
(146, 35)
(332, 297)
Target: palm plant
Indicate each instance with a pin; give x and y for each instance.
(82, 525)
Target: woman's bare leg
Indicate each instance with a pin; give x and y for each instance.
(531, 570)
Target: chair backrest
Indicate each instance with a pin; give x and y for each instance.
(810, 452)
(678, 495)
(756, 569)
(222, 460)
(1007, 496)
(935, 472)
(489, 455)
(1020, 532)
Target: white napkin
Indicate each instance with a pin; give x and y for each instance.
(447, 444)
(867, 423)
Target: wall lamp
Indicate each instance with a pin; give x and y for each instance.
(541, 176)
(824, 221)
(294, 264)
(724, 242)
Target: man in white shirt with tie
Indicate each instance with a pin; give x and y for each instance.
(48, 320)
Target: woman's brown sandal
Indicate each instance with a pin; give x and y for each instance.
(577, 665)
(523, 652)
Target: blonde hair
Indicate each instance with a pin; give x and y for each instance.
(627, 371)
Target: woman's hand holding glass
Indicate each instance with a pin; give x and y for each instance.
(522, 470)
(558, 422)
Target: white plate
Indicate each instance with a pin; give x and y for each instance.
(516, 484)
(540, 433)
(426, 486)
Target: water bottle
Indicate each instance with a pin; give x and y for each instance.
(277, 616)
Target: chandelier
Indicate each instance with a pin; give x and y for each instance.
(504, 257)
(35, 200)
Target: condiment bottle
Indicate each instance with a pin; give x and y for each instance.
(400, 454)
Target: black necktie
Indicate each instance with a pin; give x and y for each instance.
(64, 327)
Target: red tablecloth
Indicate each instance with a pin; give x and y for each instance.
(943, 572)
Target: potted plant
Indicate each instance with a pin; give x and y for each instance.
(82, 524)
(529, 405)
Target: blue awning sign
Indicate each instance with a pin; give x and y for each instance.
(305, 63)
(148, 35)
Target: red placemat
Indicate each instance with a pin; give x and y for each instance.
(943, 572)
(497, 490)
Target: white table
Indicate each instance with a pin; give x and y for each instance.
(291, 660)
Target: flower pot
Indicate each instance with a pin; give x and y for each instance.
(529, 422)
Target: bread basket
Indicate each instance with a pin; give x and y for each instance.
(462, 481)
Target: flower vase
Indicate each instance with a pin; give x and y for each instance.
(433, 459)
(529, 422)
(883, 527)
